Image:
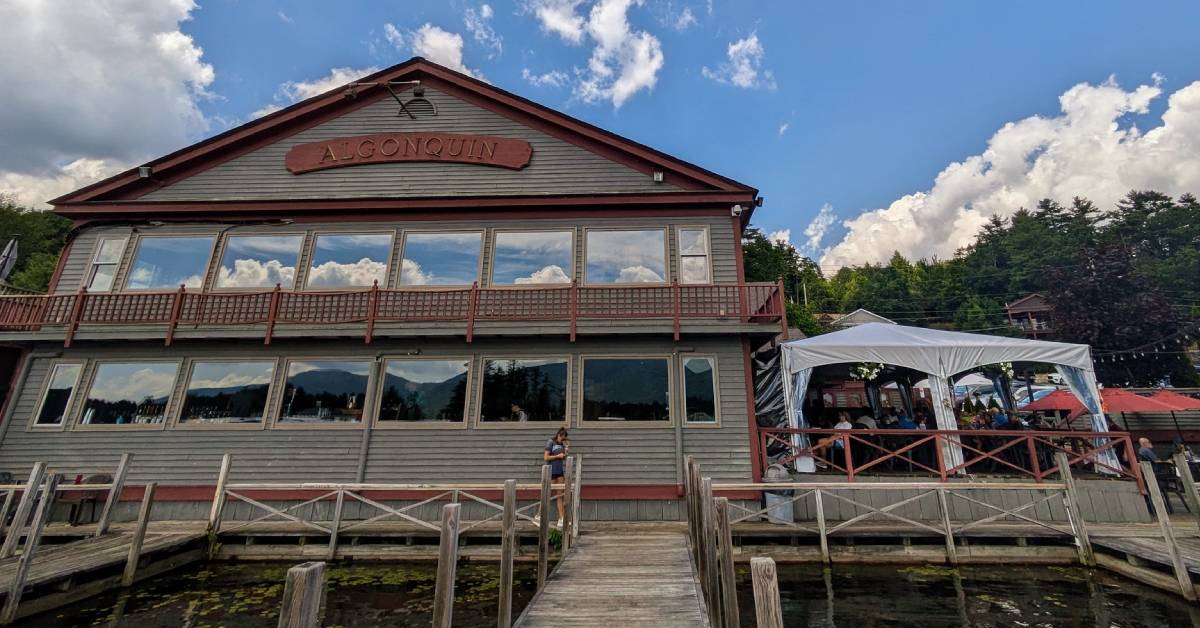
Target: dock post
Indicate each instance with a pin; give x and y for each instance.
(689, 496)
(9, 496)
(303, 592)
(948, 530)
(139, 535)
(768, 613)
(28, 496)
(9, 614)
(729, 604)
(820, 504)
(507, 542)
(114, 495)
(336, 524)
(712, 588)
(544, 529)
(577, 500)
(1071, 500)
(1189, 485)
(443, 597)
(568, 497)
(698, 515)
(1164, 523)
(214, 515)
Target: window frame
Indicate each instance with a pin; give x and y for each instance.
(666, 256)
(189, 364)
(679, 229)
(568, 393)
(641, 424)
(712, 358)
(137, 249)
(33, 425)
(377, 410)
(277, 422)
(94, 369)
(491, 283)
(395, 274)
(92, 263)
(311, 248)
(219, 259)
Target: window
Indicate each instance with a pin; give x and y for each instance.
(350, 260)
(524, 390)
(532, 257)
(105, 263)
(699, 390)
(424, 390)
(129, 393)
(257, 261)
(441, 259)
(226, 392)
(693, 256)
(626, 389)
(627, 256)
(57, 397)
(168, 262)
(325, 392)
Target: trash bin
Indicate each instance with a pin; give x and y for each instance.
(778, 502)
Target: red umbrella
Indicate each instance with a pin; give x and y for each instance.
(1121, 400)
(1057, 400)
(1181, 402)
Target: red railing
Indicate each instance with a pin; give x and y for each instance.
(1022, 453)
(752, 303)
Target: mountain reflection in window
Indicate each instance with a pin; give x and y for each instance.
(699, 390)
(350, 260)
(257, 261)
(524, 390)
(58, 394)
(129, 393)
(325, 392)
(533, 257)
(165, 263)
(626, 389)
(227, 392)
(424, 390)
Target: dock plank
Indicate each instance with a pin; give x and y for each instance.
(57, 562)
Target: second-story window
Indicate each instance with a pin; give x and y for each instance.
(694, 266)
(532, 257)
(104, 263)
(350, 260)
(627, 256)
(441, 258)
(259, 261)
(166, 262)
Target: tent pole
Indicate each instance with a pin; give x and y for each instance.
(1178, 430)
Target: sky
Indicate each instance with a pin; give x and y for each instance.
(868, 127)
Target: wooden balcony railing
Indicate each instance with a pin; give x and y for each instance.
(747, 303)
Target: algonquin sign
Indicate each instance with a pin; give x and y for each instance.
(379, 148)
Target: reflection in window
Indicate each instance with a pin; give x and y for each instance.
(440, 259)
(626, 389)
(693, 256)
(325, 392)
(168, 262)
(626, 256)
(350, 260)
(129, 393)
(699, 391)
(532, 257)
(255, 261)
(524, 390)
(227, 392)
(62, 383)
(104, 264)
(424, 390)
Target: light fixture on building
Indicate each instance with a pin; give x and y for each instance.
(658, 176)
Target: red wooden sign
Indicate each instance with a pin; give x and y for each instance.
(380, 148)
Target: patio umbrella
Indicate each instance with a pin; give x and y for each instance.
(1059, 400)
(1181, 402)
(1121, 400)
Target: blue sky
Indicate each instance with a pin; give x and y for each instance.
(849, 105)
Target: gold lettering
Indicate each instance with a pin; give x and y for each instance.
(471, 149)
(415, 146)
(451, 152)
(328, 154)
(369, 153)
(429, 150)
(346, 154)
(383, 150)
(490, 149)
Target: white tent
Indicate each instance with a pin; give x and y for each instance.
(941, 355)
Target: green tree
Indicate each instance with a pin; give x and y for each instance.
(41, 237)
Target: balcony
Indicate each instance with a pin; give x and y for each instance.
(378, 311)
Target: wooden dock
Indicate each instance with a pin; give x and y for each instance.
(619, 578)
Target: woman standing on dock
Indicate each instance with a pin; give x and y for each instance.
(555, 453)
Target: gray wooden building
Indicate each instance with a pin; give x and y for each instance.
(414, 278)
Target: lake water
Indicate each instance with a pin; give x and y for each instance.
(370, 594)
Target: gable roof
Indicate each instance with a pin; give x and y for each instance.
(859, 317)
(128, 186)
(1033, 301)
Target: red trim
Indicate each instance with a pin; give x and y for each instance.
(638, 492)
(751, 416)
(18, 373)
(62, 261)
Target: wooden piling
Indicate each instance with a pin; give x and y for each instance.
(214, 515)
(689, 497)
(507, 543)
(712, 583)
(947, 529)
(1164, 523)
(28, 497)
(768, 612)
(139, 535)
(577, 499)
(1074, 514)
(543, 561)
(114, 495)
(303, 592)
(1189, 485)
(443, 596)
(728, 577)
(821, 529)
(336, 524)
(9, 614)
(568, 497)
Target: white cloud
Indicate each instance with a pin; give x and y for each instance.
(109, 82)
(816, 230)
(293, 92)
(149, 382)
(1084, 151)
(393, 35)
(550, 274)
(412, 275)
(558, 17)
(364, 272)
(553, 78)
(638, 274)
(252, 273)
(252, 375)
(478, 24)
(435, 44)
(284, 17)
(678, 21)
(782, 236)
(783, 128)
(743, 68)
